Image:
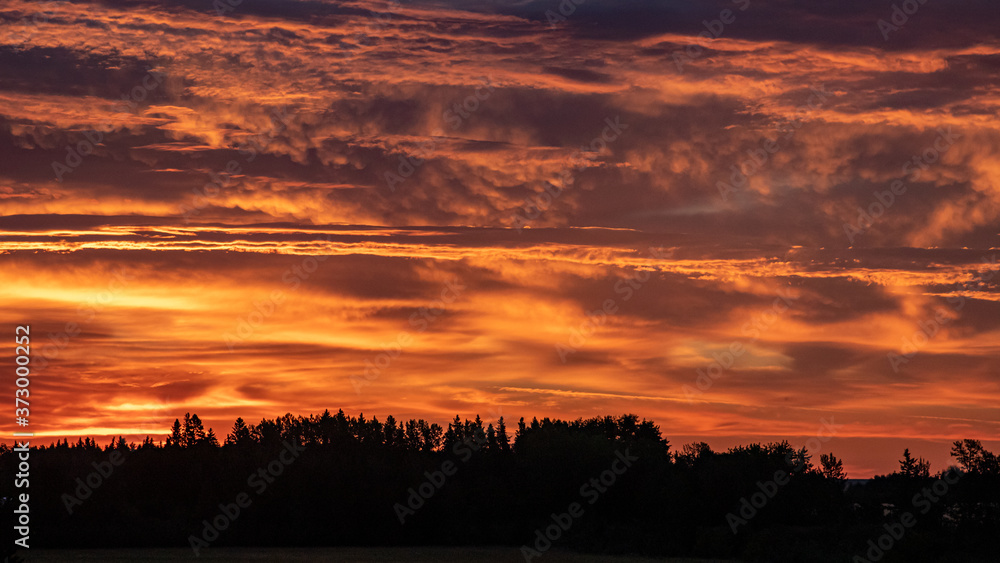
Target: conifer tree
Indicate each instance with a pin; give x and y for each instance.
(240, 434)
(176, 438)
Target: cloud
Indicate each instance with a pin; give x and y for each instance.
(358, 158)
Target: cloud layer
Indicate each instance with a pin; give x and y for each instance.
(424, 209)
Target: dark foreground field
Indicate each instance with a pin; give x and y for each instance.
(351, 554)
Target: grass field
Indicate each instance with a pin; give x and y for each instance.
(351, 554)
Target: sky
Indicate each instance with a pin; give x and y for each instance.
(746, 220)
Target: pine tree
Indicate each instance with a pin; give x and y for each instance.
(197, 430)
(910, 467)
(188, 431)
(454, 434)
(240, 435)
(412, 436)
(974, 458)
(802, 461)
(502, 439)
(831, 467)
(176, 438)
(326, 427)
(491, 439)
(389, 429)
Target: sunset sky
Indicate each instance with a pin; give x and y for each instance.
(417, 208)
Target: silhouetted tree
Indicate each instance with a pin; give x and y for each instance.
(176, 438)
(240, 434)
(692, 453)
(910, 467)
(491, 439)
(362, 467)
(210, 439)
(831, 467)
(502, 439)
(802, 461)
(119, 444)
(974, 458)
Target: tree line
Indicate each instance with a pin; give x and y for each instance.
(361, 481)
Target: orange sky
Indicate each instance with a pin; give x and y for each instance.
(458, 210)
